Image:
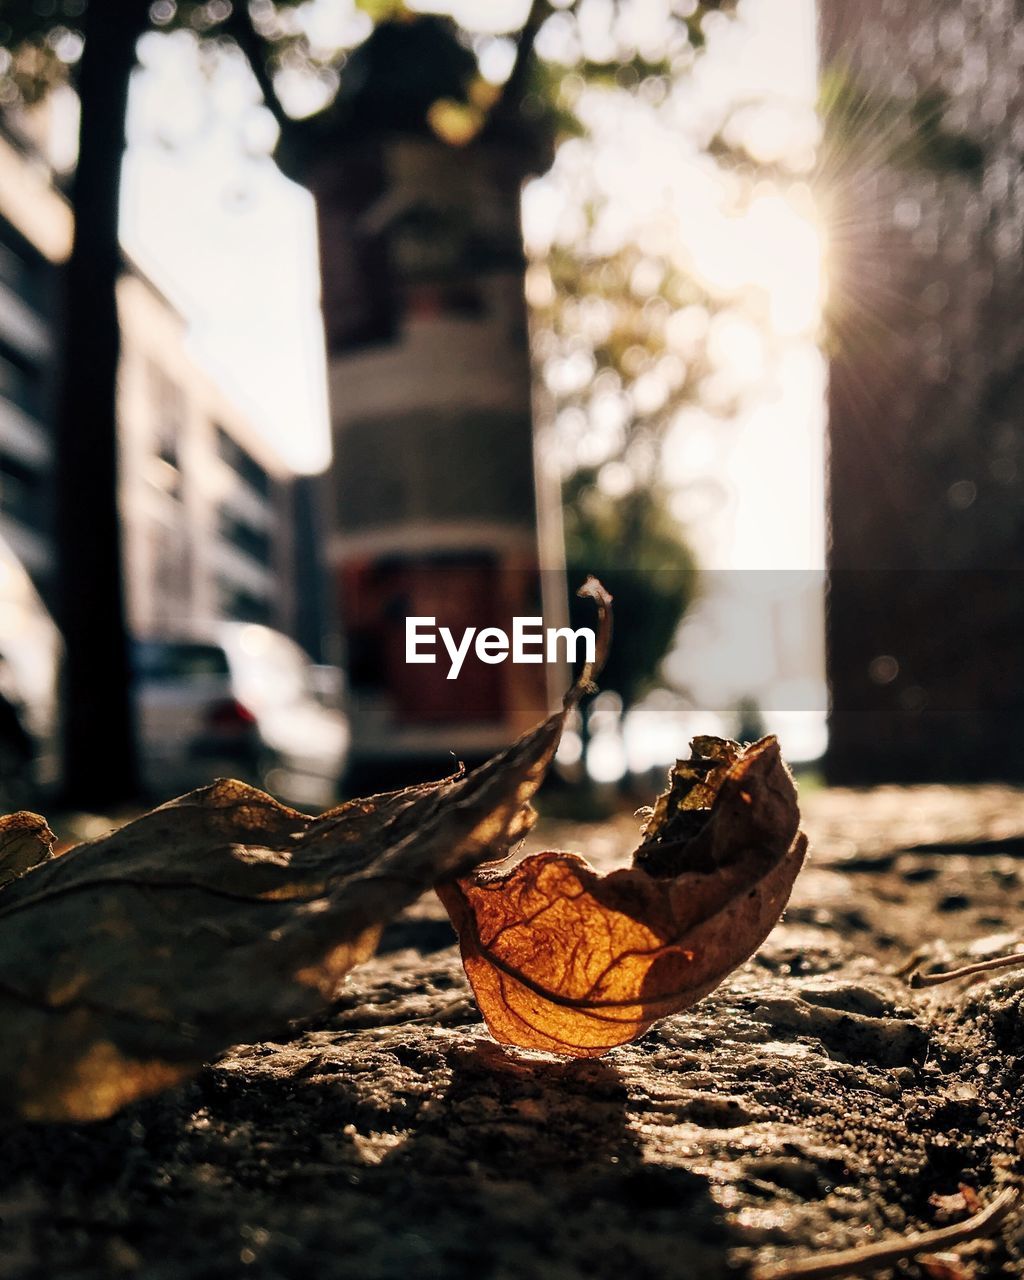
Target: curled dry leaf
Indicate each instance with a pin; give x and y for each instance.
(217, 918)
(129, 961)
(568, 961)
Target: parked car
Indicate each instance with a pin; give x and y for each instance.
(237, 700)
(31, 650)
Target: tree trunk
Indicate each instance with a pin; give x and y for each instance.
(100, 762)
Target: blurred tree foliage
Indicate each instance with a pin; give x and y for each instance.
(611, 536)
(620, 336)
(433, 80)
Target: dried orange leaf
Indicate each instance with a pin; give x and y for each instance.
(569, 961)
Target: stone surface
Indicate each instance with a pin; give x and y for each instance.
(814, 1101)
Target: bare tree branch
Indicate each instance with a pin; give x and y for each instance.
(253, 47)
(539, 11)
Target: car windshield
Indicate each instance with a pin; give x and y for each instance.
(179, 660)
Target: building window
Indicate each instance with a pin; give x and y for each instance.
(239, 604)
(23, 494)
(13, 269)
(24, 272)
(243, 464)
(245, 537)
(20, 381)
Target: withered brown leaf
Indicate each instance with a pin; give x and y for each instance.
(217, 918)
(129, 961)
(566, 960)
(25, 842)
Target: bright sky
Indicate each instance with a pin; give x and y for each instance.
(231, 242)
(746, 461)
(761, 264)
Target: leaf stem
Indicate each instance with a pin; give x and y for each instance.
(918, 979)
(864, 1259)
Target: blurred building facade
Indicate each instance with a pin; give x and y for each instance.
(437, 503)
(35, 233)
(205, 500)
(208, 506)
(926, 195)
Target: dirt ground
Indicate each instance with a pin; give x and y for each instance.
(813, 1102)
